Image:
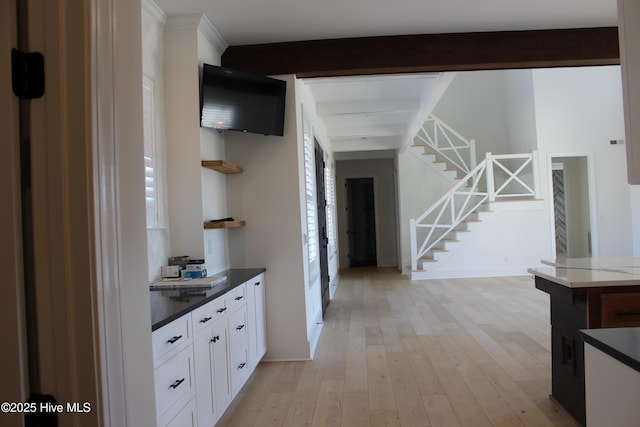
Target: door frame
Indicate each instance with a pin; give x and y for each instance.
(593, 206)
(13, 359)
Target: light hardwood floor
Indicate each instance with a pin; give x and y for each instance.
(456, 352)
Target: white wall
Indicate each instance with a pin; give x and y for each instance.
(579, 110)
(475, 105)
(520, 114)
(384, 179)
(195, 194)
(268, 196)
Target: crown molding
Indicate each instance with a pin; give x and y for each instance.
(197, 22)
(153, 10)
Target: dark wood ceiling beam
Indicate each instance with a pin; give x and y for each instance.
(429, 53)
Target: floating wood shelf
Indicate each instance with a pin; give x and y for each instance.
(222, 166)
(224, 224)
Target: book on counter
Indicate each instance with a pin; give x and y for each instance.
(205, 282)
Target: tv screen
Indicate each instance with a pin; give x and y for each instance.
(240, 101)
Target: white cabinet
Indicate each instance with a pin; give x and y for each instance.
(221, 353)
(256, 319)
(203, 358)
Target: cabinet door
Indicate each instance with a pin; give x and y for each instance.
(261, 320)
(205, 378)
(213, 388)
(256, 320)
(220, 365)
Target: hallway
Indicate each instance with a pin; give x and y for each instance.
(456, 352)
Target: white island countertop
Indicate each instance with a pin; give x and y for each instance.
(591, 272)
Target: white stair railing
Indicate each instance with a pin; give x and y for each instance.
(441, 138)
(501, 176)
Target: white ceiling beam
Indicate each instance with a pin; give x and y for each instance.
(360, 106)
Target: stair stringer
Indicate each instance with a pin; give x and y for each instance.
(508, 238)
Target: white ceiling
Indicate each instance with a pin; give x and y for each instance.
(375, 112)
(381, 112)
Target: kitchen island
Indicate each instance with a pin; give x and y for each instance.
(585, 293)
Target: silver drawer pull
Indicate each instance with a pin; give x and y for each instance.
(176, 384)
(174, 339)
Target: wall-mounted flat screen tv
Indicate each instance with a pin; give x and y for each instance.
(240, 101)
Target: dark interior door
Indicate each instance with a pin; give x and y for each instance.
(322, 227)
(361, 222)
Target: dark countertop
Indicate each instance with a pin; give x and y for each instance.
(169, 304)
(623, 344)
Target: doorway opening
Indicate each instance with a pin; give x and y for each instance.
(572, 204)
(361, 222)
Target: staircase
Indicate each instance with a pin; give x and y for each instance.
(476, 190)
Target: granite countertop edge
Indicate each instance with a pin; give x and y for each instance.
(235, 278)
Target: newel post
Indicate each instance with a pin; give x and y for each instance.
(491, 191)
(536, 175)
(414, 244)
(472, 154)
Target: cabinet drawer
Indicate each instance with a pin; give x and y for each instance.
(185, 418)
(238, 329)
(207, 314)
(236, 297)
(174, 380)
(620, 310)
(238, 369)
(172, 337)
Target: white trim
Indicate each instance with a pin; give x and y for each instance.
(202, 24)
(107, 280)
(212, 35)
(124, 325)
(153, 10)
